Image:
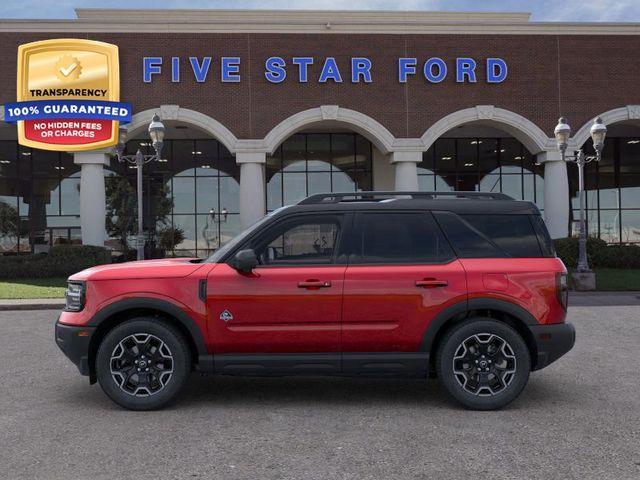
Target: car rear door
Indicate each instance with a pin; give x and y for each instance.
(401, 273)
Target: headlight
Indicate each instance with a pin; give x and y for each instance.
(74, 296)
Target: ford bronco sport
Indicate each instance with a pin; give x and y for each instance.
(462, 285)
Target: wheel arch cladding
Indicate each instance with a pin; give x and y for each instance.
(119, 312)
(511, 314)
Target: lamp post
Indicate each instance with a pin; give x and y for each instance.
(156, 133)
(562, 133)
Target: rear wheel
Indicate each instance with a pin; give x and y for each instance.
(143, 363)
(483, 363)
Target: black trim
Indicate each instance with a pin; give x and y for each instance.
(74, 346)
(552, 342)
(503, 306)
(347, 364)
(153, 304)
(202, 290)
(457, 310)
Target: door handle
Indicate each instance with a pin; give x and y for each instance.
(431, 283)
(314, 284)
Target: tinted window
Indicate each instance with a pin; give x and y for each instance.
(467, 241)
(402, 238)
(546, 244)
(307, 241)
(512, 233)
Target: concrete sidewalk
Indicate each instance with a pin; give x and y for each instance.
(577, 299)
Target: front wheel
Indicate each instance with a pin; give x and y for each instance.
(483, 363)
(143, 363)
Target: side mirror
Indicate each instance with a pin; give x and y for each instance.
(245, 261)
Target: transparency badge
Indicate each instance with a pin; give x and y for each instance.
(68, 95)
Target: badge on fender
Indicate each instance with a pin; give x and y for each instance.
(225, 316)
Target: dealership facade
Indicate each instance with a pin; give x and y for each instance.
(263, 108)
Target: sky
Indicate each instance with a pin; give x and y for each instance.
(542, 10)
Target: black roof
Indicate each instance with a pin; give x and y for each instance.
(457, 202)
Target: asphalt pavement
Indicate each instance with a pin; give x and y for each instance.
(579, 418)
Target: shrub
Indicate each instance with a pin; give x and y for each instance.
(61, 261)
(599, 254)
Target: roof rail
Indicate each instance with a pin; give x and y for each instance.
(376, 196)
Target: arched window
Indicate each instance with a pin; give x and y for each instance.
(308, 163)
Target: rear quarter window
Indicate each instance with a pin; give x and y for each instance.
(492, 235)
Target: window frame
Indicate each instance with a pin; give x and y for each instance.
(266, 235)
(355, 253)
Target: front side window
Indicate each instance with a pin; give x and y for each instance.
(402, 238)
(301, 242)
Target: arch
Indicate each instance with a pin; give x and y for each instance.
(629, 112)
(527, 132)
(374, 131)
(141, 120)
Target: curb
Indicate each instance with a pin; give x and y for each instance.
(31, 304)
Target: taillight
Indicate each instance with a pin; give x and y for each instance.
(562, 289)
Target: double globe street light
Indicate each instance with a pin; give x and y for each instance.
(562, 133)
(156, 133)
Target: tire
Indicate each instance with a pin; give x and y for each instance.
(483, 363)
(143, 363)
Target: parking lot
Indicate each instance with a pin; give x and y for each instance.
(579, 418)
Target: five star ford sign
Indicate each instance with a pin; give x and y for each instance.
(68, 95)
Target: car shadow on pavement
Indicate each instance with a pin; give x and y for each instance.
(303, 392)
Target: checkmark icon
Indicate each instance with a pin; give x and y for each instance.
(66, 71)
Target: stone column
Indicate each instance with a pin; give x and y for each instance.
(252, 186)
(92, 195)
(556, 194)
(406, 167)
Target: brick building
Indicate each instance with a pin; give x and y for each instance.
(265, 107)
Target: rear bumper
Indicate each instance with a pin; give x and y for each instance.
(552, 342)
(74, 343)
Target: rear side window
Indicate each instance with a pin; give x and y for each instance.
(402, 238)
(486, 236)
(512, 233)
(467, 241)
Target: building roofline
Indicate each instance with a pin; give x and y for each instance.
(310, 21)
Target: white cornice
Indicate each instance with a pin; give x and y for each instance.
(322, 21)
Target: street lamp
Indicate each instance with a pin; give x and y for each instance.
(156, 133)
(562, 133)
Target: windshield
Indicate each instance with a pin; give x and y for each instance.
(238, 239)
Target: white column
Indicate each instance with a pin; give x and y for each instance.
(93, 209)
(556, 194)
(406, 166)
(252, 186)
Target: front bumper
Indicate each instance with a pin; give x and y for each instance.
(552, 342)
(74, 342)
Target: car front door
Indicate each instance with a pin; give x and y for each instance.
(289, 304)
(401, 273)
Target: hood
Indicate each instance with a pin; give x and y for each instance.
(163, 268)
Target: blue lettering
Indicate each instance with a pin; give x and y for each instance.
(151, 66)
(360, 67)
(175, 69)
(428, 70)
(330, 71)
(496, 70)
(303, 64)
(465, 67)
(275, 69)
(406, 66)
(230, 70)
(200, 71)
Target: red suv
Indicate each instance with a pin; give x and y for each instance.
(465, 286)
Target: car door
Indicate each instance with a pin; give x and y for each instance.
(291, 302)
(401, 273)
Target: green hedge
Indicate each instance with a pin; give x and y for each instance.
(61, 261)
(599, 254)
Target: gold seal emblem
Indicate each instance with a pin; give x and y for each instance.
(68, 68)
